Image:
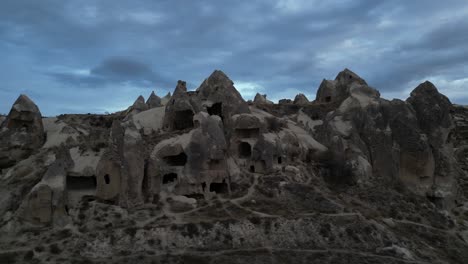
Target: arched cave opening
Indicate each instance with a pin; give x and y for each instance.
(81, 183)
(176, 160)
(170, 177)
(216, 109)
(245, 151)
(219, 187)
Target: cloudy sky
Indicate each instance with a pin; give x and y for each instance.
(96, 56)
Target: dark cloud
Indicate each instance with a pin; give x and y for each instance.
(52, 47)
(115, 70)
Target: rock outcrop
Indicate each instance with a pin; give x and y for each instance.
(22, 132)
(261, 99)
(153, 101)
(138, 106)
(205, 177)
(301, 99)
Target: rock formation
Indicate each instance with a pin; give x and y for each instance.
(205, 177)
(301, 99)
(21, 133)
(261, 99)
(153, 101)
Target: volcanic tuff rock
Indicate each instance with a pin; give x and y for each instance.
(261, 99)
(21, 132)
(205, 177)
(153, 101)
(301, 99)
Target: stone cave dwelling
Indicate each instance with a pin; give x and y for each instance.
(206, 177)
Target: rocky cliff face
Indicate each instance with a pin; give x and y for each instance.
(205, 177)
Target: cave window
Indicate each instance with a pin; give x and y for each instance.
(176, 160)
(280, 160)
(81, 183)
(252, 168)
(107, 179)
(328, 99)
(216, 109)
(170, 177)
(183, 119)
(219, 187)
(315, 116)
(245, 151)
(203, 185)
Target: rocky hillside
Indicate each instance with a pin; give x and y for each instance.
(206, 177)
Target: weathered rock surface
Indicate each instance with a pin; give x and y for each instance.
(21, 133)
(301, 99)
(261, 99)
(153, 101)
(138, 106)
(205, 177)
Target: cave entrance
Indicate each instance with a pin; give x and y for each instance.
(216, 109)
(328, 99)
(169, 178)
(176, 160)
(280, 160)
(81, 183)
(248, 132)
(183, 119)
(218, 187)
(245, 151)
(79, 187)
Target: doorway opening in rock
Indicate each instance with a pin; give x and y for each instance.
(328, 99)
(183, 119)
(248, 132)
(203, 186)
(81, 183)
(218, 187)
(280, 160)
(252, 168)
(245, 151)
(170, 177)
(177, 160)
(107, 179)
(216, 109)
